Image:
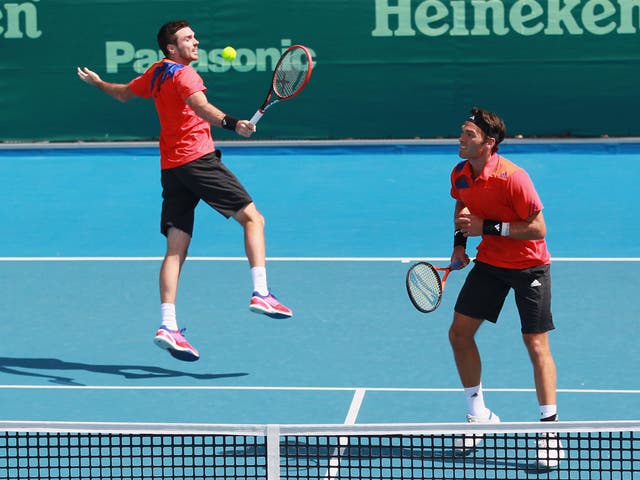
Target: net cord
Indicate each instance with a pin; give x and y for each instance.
(267, 430)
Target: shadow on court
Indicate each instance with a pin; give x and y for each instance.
(36, 367)
(300, 456)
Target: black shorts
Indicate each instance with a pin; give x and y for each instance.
(204, 179)
(486, 287)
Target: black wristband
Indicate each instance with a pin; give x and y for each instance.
(492, 227)
(229, 122)
(459, 240)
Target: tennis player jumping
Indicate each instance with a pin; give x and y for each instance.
(192, 171)
(496, 199)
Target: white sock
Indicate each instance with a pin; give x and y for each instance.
(475, 402)
(168, 311)
(259, 278)
(547, 411)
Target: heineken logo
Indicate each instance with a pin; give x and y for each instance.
(433, 18)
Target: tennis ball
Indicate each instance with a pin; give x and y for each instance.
(228, 53)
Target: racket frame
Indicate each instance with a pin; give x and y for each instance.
(441, 283)
(269, 101)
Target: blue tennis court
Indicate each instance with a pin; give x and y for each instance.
(81, 253)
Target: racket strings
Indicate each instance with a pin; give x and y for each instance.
(425, 286)
(291, 74)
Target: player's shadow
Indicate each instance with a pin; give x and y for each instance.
(36, 367)
(299, 455)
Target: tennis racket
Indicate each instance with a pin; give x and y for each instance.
(424, 285)
(290, 76)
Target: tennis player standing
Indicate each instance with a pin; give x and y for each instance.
(497, 200)
(192, 171)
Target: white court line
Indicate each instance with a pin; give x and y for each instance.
(354, 408)
(355, 404)
(291, 259)
(336, 453)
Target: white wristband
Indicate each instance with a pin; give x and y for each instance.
(504, 232)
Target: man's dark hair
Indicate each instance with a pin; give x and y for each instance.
(167, 34)
(490, 124)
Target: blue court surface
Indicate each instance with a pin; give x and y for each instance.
(81, 251)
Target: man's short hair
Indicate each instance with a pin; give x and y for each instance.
(167, 34)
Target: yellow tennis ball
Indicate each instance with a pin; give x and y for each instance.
(229, 53)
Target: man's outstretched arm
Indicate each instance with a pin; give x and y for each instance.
(119, 91)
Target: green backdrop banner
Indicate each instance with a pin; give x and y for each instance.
(382, 68)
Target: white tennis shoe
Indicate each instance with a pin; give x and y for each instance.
(549, 451)
(468, 442)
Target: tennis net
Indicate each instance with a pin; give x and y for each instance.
(70, 450)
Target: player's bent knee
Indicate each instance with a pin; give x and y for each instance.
(537, 344)
(250, 214)
(459, 337)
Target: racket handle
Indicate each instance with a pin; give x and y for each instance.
(256, 117)
(456, 264)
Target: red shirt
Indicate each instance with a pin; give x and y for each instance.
(502, 192)
(184, 136)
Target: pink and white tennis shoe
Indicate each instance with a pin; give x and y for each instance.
(269, 305)
(174, 342)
